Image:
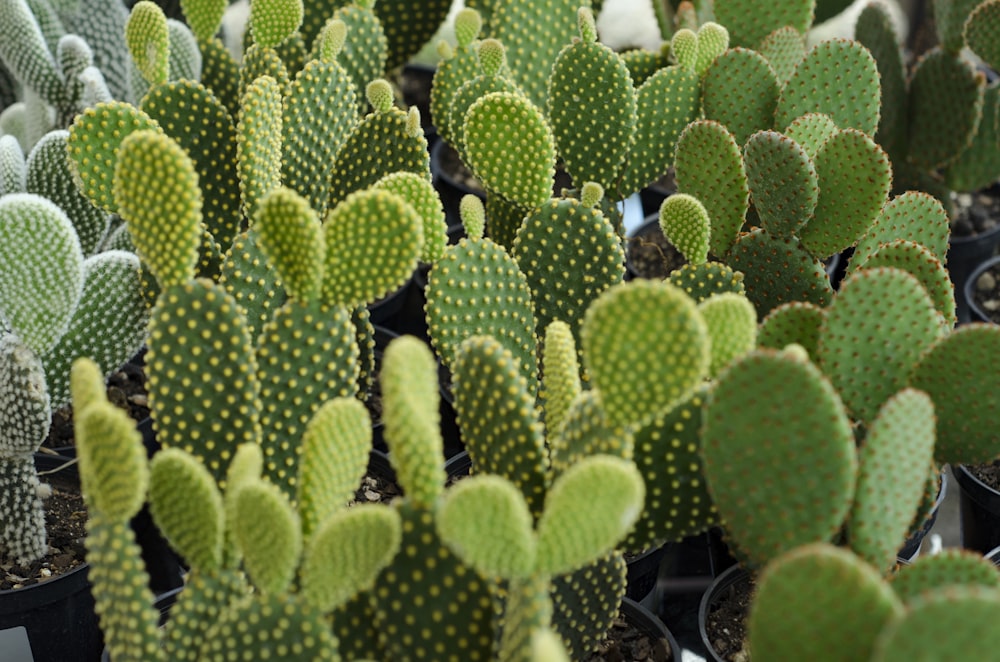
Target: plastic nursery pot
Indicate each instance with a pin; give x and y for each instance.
(979, 509)
(642, 572)
(911, 548)
(993, 556)
(386, 311)
(54, 620)
(965, 255)
(729, 582)
(635, 616)
(976, 312)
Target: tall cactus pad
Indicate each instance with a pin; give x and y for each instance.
(373, 241)
(585, 603)
(22, 535)
(855, 176)
(838, 78)
(950, 566)
(913, 216)
(814, 599)
(206, 595)
(27, 56)
(700, 281)
(732, 328)
(740, 90)
(472, 274)
(783, 182)
(26, 415)
(585, 432)
(981, 32)
(885, 303)
(459, 66)
(148, 41)
(258, 142)
(501, 124)
(653, 333)
(946, 98)
(796, 323)
(41, 270)
(189, 320)
(498, 419)
(783, 49)
(684, 221)
(570, 254)
(365, 49)
(916, 259)
(721, 187)
(266, 530)
(749, 22)
(964, 393)
(979, 165)
(561, 367)
(801, 424)
(492, 78)
(668, 454)
(155, 180)
(418, 191)
(892, 473)
(592, 108)
(273, 21)
(94, 138)
(290, 234)
(876, 32)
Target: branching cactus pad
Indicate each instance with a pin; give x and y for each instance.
(913, 216)
(740, 90)
(585, 603)
(585, 432)
(562, 383)
(366, 49)
(700, 281)
(148, 40)
(420, 193)
(685, 223)
(783, 182)
(796, 323)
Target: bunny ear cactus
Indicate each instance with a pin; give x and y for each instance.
(258, 142)
(740, 90)
(366, 49)
(685, 223)
(148, 40)
(980, 29)
(913, 216)
(796, 322)
(458, 65)
(749, 23)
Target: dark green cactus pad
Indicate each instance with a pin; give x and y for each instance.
(408, 26)
(722, 186)
(570, 254)
(23, 532)
(875, 31)
(585, 603)
(473, 277)
(94, 138)
(29, 58)
(426, 586)
(700, 281)
(353, 623)
(949, 22)
(258, 143)
(220, 74)
(811, 131)
(918, 260)
(800, 425)
(527, 608)
(740, 90)
(884, 303)
(838, 78)
(668, 453)
(954, 621)
(248, 277)
(503, 219)
(190, 319)
(49, 174)
(951, 566)
(855, 176)
(749, 22)
(207, 595)
(653, 333)
(783, 49)
(643, 63)
(964, 393)
(914, 216)
(208, 136)
(981, 32)
(452, 72)
(366, 49)
(315, 16)
(946, 103)
(585, 432)
(892, 473)
(259, 62)
(783, 182)
(373, 241)
(847, 600)
(592, 110)
(320, 112)
(503, 434)
(501, 124)
(778, 271)
(307, 354)
(979, 165)
(665, 103)
(794, 322)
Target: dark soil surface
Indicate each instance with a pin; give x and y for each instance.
(976, 213)
(988, 474)
(726, 621)
(650, 255)
(626, 642)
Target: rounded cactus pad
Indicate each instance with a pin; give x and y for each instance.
(796, 323)
(838, 78)
(779, 271)
(41, 270)
(452, 72)
(919, 261)
(13, 169)
(713, 40)
(955, 621)
(365, 50)
(876, 31)
(982, 32)
(148, 40)
(667, 451)
(811, 131)
(94, 139)
(204, 16)
(883, 303)
(813, 600)
(684, 221)
(914, 216)
(499, 125)
(684, 46)
(749, 22)
(373, 242)
(418, 191)
(266, 531)
(472, 90)
(722, 186)
(732, 327)
(892, 474)
(740, 90)
(855, 176)
(585, 603)
(155, 179)
(273, 21)
(291, 237)
(964, 392)
(700, 281)
(653, 333)
(258, 142)
(951, 566)
(783, 182)
(783, 49)
(788, 449)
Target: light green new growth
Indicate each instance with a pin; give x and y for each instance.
(473, 216)
(266, 529)
(273, 21)
(561, 385)
(149, 42)
(713, 40)
(420, 193)
(731, 322)
(204, 17)
(684, 221)
(684, 46)
(291, 236)
(258, 142)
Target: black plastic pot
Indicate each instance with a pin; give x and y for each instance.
(979, 508)
(642, 572)
(645, 621)
(380, 466)
(965, 254)
(993, 556)
(448, 187)
(386, 311)
(911, 548)
(52, 621)
(728, 580)
(976, 313)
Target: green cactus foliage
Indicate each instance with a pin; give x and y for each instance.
(258, 62)
(149, 41)
(796, 323)
(949, 21)
(838, 78)
(783, 182)
(624, 332)
(527, 611)
(41, 270)
(27, 55)
(643, 63)
(811, 131)
(980, 32)
(685, 223)
(886, 303)
(206, 595)
(420, 193)
(266, 529)
(847, 598)
(258, 142)
(732, 328)
(460, 65)
(504, 217)
(13, 168)
(247, 276)
(913, 216)
(273, 21)
(562, 383)
(220, 74)
(964, 398)
(585, 432)
(701, 281)
(204, 16)
(22, 537)
(684, 47)
(366, 49)
(979, 166)
(740, 90)
(918, 260)
(749, 23)
(950, 567)
(586, 602)
(722, 188)
(801, 423)
(783, 49)
(291, 236)
(875, 30)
